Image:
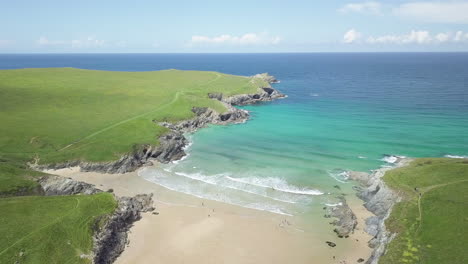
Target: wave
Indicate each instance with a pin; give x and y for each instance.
(217, 180)
(333, 204)
(391, 159)
(276, 184)
(208, 190)
(456, 157)
(339, 175)
(185, 148)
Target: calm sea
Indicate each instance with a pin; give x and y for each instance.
(343, 112)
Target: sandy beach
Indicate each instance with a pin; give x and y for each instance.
(187, 229)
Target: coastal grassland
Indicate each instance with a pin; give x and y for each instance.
(53, 115)
(52, 229)
(431, 221)
(16, 178)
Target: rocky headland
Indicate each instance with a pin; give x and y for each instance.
(378, 198)
(171, 145)
(111, 238)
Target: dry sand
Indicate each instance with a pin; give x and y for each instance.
(193, 230)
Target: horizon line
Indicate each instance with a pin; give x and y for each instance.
(286, 52)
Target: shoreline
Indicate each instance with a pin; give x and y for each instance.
(186, 228)
(177, 204)
(172, 144)
(379, 201)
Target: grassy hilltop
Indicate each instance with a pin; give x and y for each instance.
(432, 220)
(51, 229)
(59, 114)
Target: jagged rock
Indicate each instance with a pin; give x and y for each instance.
(346, 220)
(199, 110)
(172, 144)
(55, 185)
(372, 225)
(266, 77)
(331, 244)
(379, 199)
(217, 96)
(110, 240)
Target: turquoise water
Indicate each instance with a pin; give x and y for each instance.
(292, 152)
(343, 112)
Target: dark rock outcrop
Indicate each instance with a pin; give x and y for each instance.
(56, 185)
(346, 220)
(110, 240)
(171, 145)
(379, 199)
(331, 244)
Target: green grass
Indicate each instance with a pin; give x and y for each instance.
(55, 115)
(16, 178)
(431, 227)
(52, 229)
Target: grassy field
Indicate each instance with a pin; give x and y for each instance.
(58, 114)
(432, 220)
(53, 229)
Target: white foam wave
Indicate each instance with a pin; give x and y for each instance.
(339, 175)
(198, 188)
(333, 204)
(456, 157)
(242, 185)
(276, 184)
(362, 157)
(185, 148)
(392, 159)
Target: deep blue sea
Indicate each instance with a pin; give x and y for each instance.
(344, 111)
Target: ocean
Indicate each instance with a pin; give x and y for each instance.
(344, 111)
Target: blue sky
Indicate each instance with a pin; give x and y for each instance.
(232, 26)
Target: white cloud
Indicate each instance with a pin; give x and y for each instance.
(246, 39)
(351, 36)
(45, 41)
(89, 42)
(442, 37)
(364, 7)
(438, 12)
(420, 37)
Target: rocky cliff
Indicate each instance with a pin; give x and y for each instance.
(171, 145)
(109, 239)
(346, 220)
(379, 199)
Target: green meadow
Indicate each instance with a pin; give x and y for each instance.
(54, 115)
(52, 229)
(59, 114)
(431, 221)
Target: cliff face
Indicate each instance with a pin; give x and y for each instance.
(172, 144)
(379, 199)
(111, 238)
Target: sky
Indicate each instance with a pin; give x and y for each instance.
(172, 26)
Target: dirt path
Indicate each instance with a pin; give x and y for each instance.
(426, 190)
(176, 97)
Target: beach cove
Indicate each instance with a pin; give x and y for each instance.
(271, 177)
